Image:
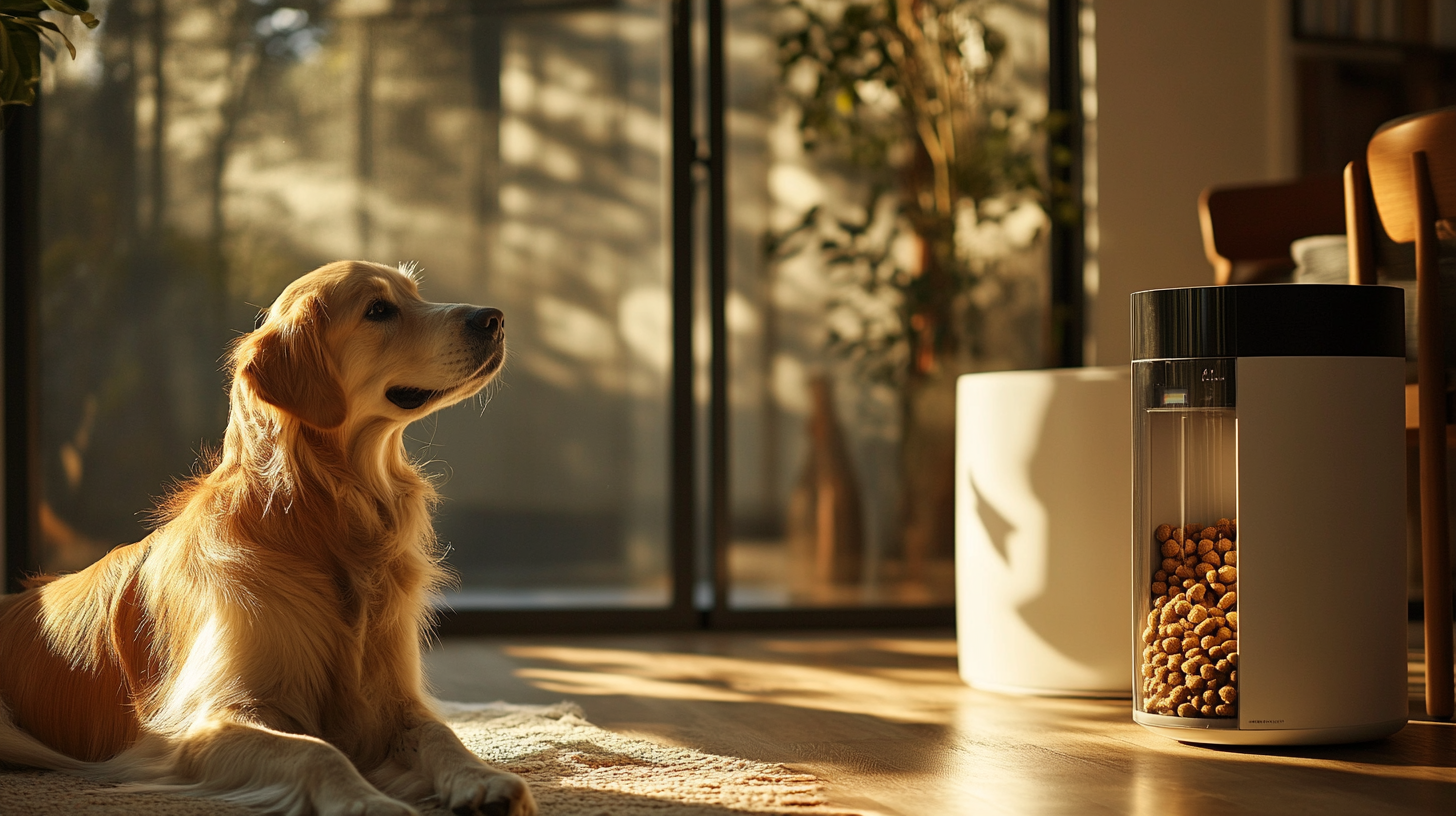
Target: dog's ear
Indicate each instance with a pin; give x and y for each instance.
(285, 365)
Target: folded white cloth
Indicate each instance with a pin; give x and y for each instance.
(1321, 259)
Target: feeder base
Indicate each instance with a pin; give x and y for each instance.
(1228, 732)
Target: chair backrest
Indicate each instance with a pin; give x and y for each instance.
(1384, 180)
(1247, 230)
(1389, 162)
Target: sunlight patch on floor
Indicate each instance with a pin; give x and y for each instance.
(900, 694)
(919, 647)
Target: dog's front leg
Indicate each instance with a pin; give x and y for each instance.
(464, 783)
(280, 772)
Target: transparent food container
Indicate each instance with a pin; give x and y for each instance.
(1186, 518)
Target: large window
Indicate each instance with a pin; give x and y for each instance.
(729, 390)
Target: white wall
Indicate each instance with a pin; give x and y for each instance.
(1188, 95)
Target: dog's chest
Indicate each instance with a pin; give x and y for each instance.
(375, 663)
(346, 623)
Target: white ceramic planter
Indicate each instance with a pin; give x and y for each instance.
(1043, 531)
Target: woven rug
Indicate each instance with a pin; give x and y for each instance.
(574, 767)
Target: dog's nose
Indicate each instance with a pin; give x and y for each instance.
(489, 322)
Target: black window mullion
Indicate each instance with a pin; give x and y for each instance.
(22, 313)
(718, 522)
(681, 468)
(1064, 169)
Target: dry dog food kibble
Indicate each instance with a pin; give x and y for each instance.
(1190, 665)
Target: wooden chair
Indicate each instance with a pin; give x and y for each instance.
(1247, 230)
(1410, 173)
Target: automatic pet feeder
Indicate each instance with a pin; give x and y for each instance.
(1269, 513)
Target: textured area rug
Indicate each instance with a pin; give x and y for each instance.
(574, 767)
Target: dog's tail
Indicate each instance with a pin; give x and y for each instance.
(19, 748)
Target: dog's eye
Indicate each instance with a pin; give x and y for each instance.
(260, 319)
(380, 310)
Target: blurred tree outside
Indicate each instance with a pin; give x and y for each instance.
(200, 154)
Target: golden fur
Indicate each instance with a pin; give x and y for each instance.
(263, 644)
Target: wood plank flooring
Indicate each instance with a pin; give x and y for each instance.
(887, 722)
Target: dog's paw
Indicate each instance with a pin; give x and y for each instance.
(374, 806)
(486, 792)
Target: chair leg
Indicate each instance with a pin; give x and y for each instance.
(1435, 547)
(1436, 565)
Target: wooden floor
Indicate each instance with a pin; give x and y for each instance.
(886, 721)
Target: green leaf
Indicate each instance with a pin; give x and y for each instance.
(76, 8)
(37, 24)
(19, 62)
(21, 28)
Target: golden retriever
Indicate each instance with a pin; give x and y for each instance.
(262, 645)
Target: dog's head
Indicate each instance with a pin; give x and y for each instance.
(354, 341)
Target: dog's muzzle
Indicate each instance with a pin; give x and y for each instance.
(485, 332)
